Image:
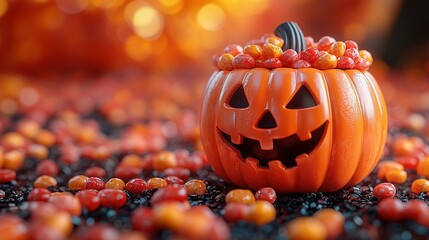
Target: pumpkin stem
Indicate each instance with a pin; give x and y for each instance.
(292, 36)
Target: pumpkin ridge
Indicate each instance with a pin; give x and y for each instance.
(347, 123)
(383, 112)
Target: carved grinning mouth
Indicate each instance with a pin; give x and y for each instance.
(285, 149)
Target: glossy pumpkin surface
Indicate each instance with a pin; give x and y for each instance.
(296, 130)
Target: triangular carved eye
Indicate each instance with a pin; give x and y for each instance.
(302, 99)
(238, 99)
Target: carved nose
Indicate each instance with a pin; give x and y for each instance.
(267, 121)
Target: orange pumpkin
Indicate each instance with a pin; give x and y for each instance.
(296, 130)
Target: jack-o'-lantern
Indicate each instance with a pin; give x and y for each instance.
(296, 130)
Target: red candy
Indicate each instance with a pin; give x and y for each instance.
(47, 167)
(272, 63)
(136, 185)
(235, 211)
(39, 194)
(384, 190)
(344, 62)
(173, 180)
(115, 198)
(169, 193)
(310, 55)
(233, 49)
(142, 220)
(352, 53)
(351, 44)
(95, 172)
(301, 64)
(89, 199)
(325, 43)
(414, 209)
(409, 162)
(94, 183)
(288, 58)
(391, 209)
(7, 175)
(268, 194)
(243, 61)
(182, 173)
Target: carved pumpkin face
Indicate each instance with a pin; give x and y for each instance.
(296, 130)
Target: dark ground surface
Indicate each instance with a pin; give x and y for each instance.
(357, 204)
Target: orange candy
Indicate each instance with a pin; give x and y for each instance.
(240, 196)
(420, 185)
(423, 167)
(396, 176)
(156, 183)
(261, 212)
(45, 181)
(276, 41)
(304, 228)
(225, 62)
(271, 51)
(77, 182)
(386, 166)
(366, 55)
(164, 160)
(169, 215)
(333, 221)
(115, 183)
(132, 160)
(38, 151)
(326, 61)
(195, 187)
(403, 147)
(253, 50)
(66, 202)
(337, 49)
(13, 160)
(12, 227)
(45, 137)
(13, 140)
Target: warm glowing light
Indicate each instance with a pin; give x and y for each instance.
(72, 6)
(3, 7)
(137, 49)
(171, 6)
(107, 3)
(148, 22)
(211, 17)
(132, 8)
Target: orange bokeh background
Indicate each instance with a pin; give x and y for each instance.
(46, 38)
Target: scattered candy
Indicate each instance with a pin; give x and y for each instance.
(333, 221)
(306, 228)
(384, 190)
(195, 187)
(115, 198)
(45, 181)
(268, 194)
(241, 196)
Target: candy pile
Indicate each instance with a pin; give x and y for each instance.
(267, 52)
(73, 169)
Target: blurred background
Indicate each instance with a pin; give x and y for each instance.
(131, 50)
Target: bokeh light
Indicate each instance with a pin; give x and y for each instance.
(211, 17)
(148, 22)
